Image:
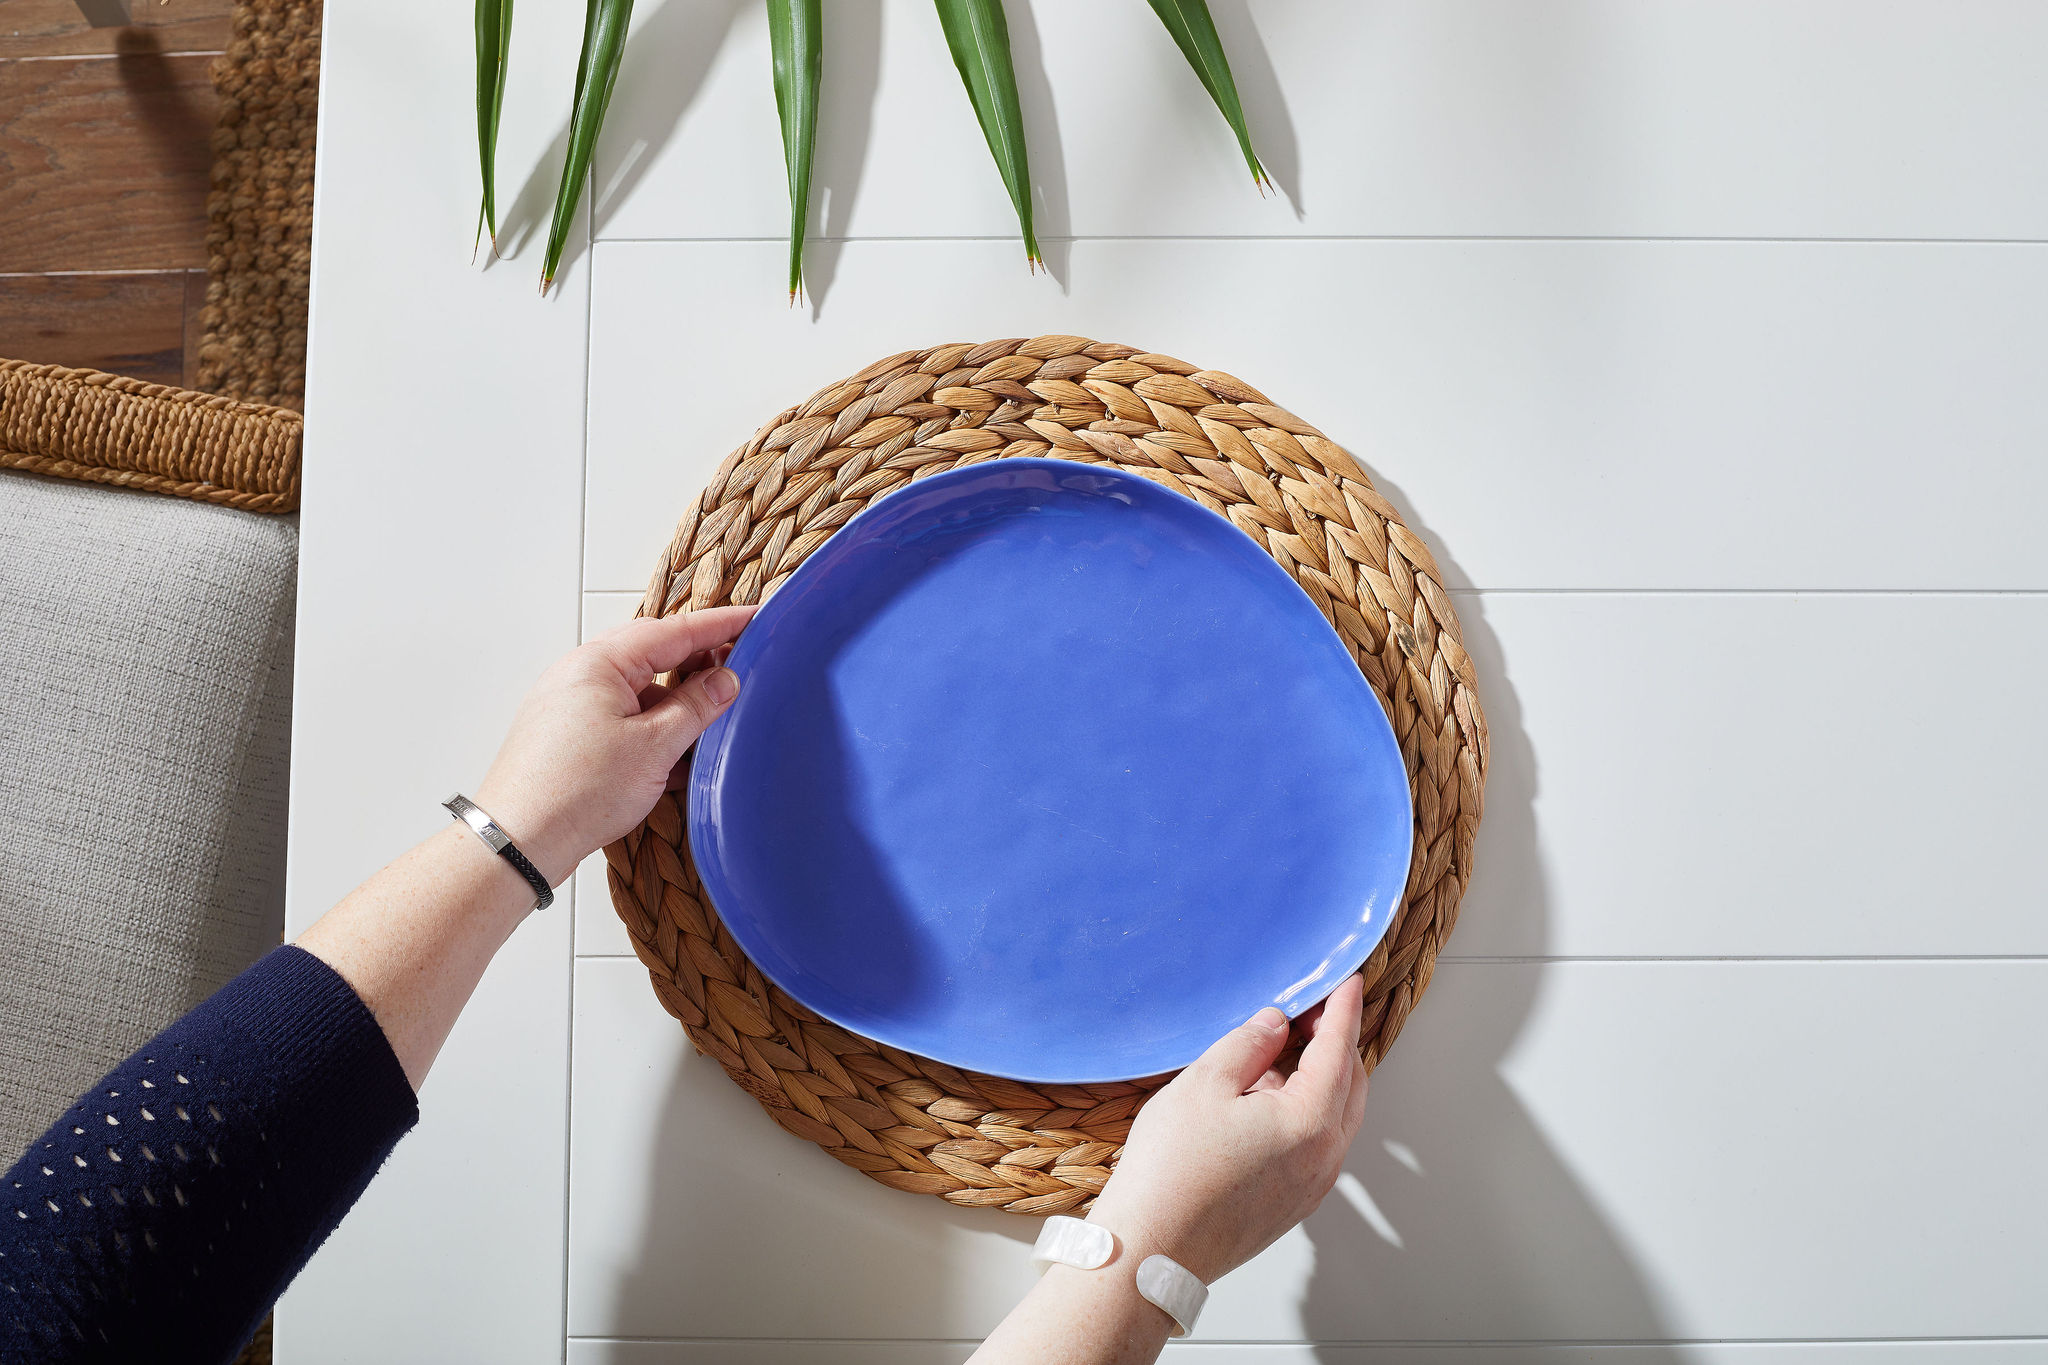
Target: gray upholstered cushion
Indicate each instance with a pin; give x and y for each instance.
(145, 718)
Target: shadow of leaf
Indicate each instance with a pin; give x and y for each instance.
(666, 61)
(846, 119)
(664, 68)
(1051, 214)
(1265, 104)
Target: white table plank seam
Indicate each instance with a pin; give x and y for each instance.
(812, 238)
(569, 888)
(634, 594)
(1735, 592)
(594, 954)
(1388, 1343)
(568, 1113)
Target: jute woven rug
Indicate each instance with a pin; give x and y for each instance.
(908, 1122)
(259, 234)
(260, 211)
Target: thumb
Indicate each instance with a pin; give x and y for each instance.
(1242, 1055)
(690, 707)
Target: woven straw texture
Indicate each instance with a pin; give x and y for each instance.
(260, 212)
(915, 1124)
(82, 424)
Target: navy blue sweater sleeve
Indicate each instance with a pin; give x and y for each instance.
(161, 1217)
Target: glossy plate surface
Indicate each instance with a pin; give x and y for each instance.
(1043, 770)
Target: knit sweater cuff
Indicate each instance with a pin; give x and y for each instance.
(299, 1011)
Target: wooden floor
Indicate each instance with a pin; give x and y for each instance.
(104, 158)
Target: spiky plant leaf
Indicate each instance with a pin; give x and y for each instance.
(1195, 32)
(604, 42)
(493, 42)
(796, 41)
(979, 37)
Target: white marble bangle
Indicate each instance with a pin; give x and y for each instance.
(1162, 1281)
(1172, 1288)
(1073, 1241)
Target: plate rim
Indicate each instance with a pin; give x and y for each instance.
(696, 825)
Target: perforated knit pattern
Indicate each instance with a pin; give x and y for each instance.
(166, 1211)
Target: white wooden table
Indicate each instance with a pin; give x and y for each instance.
(1706, 342)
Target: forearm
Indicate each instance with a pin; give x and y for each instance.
(415, 939)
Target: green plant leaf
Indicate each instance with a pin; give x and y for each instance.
(980, 39)
(796, 40)
(604, 42)
(1195, 32)
(493, 41)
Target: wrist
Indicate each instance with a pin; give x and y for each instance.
(1122, 1274)
(1140, 1233)
(500, 894)
(538, 835)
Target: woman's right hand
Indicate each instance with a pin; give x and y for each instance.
(1230, 1154)
(597, 740)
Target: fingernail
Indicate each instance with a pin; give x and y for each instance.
(1269, 1019)
(722, 685)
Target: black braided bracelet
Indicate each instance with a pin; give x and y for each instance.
(500, 843)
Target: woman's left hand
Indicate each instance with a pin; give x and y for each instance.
(1230, 1153)
(598, 740)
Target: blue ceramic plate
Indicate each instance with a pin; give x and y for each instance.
(1043, 770)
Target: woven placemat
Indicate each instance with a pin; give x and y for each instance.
(906, 1121)
(259, 232)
